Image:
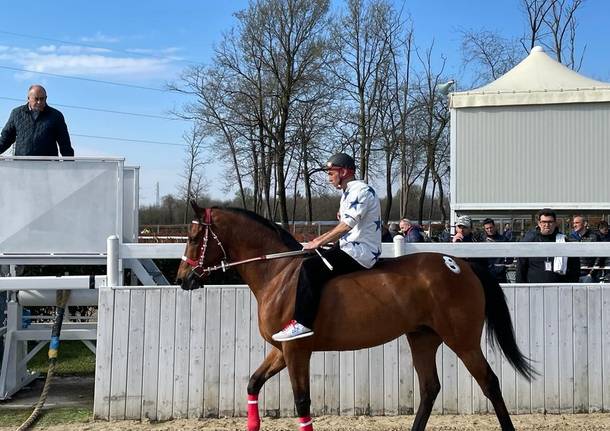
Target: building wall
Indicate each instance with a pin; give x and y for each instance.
(531, 156)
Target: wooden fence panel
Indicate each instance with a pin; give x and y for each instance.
(168, 353)
(521, 319)
(227, 352)
(120, 343)
(182, 338)
(594, 346)
(606, 348)
(150, 371)
(165, 393)
(211, 389)
(581, 359)
(566, 351)
(135, 355)
(197, 354)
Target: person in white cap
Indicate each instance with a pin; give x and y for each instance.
(463, 230)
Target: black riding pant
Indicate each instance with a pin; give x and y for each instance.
(314, 274)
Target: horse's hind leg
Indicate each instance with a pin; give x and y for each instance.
(424, 345)
(478, 366)
(272, 364)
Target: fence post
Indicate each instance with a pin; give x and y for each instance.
(398, 245)
(112, 260)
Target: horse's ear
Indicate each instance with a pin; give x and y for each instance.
(195, 207)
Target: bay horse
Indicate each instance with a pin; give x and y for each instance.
(429, 297)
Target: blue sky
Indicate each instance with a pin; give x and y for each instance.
(146, 44)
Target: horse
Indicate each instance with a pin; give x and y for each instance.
(430, 298)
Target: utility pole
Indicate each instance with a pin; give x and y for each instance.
(157, 200)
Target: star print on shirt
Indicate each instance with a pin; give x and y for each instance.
(355, 242)
(376, 255)
(354, 203)
(346, 215)
(378, 224)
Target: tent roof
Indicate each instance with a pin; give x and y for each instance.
(537, 80)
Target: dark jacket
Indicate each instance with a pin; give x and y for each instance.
(532, 269)
(38, 137)
(414, 234)
(497, 265)
(588, 236)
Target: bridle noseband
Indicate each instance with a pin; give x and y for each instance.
(197, 263)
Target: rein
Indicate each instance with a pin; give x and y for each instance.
(197, 263)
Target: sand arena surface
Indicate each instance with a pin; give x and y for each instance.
(580, 422)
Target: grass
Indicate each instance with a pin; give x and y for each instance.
(74, 359)
(55, 416)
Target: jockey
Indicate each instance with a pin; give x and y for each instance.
(359, 245)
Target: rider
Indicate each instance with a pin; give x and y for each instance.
(359, 246)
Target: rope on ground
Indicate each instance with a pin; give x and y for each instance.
(62, 299)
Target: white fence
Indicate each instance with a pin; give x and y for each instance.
(166, 353)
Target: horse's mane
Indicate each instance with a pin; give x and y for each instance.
(285, 236)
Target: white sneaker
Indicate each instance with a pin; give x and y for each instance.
(292, 331)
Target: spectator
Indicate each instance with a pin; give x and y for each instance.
(463, 230)
(411, 231)
(604, 236)
(508, 232)
(581, 233)
(547, 269)
(496, 265)
(36, 129)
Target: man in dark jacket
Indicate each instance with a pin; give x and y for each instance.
(582, 233)
(36, 129)
(546, 269)
(411, 231)
(496, 265)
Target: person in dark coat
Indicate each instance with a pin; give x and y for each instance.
(36, 129)
(411, 231)
(496, 265)
(547, 269)
(582, 233)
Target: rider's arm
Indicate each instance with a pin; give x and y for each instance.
(331, 236)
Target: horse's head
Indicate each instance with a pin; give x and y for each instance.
(203, 249)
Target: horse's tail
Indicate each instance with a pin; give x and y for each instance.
(499, 323)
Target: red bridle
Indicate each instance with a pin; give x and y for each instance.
(197, 263)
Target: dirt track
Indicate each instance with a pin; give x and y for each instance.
(581, 422)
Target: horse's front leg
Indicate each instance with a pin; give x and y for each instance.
(297, 360)
(272, 364)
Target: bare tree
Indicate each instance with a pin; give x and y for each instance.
(193, 185)
(489, 53)
(536, 12)
(562, 25)
(361, 43)
(435, 118)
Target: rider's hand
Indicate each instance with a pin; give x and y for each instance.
(311, 245)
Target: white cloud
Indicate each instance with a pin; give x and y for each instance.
(100, 37)
(85, 61)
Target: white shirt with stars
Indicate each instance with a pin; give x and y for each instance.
(360, 209)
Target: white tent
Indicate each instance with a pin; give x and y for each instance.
(537, 80)
(536, 137)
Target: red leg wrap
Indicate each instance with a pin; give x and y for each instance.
(305, 424)
(254, 421)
